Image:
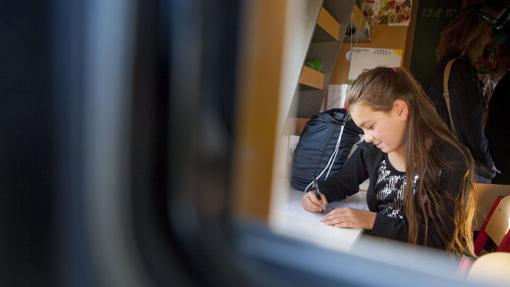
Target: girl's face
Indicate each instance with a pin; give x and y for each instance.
(383, 129)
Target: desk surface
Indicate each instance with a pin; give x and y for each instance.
(292, 220)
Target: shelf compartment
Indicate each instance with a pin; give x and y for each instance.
(311, 78)
(329, 24)
(361, 25)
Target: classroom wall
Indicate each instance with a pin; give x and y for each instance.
(383, 36)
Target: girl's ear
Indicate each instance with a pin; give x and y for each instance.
(401, 109)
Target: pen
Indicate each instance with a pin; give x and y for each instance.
(317, 192)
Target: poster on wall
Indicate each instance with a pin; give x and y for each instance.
(387, 12)
(368, 58)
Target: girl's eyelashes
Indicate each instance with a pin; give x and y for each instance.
(367, 128)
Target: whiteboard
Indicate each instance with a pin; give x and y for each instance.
(369, 58)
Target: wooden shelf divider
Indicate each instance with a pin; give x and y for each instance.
(329, 24)
(311, 78)
(295, 125)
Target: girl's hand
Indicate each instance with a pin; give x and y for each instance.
(351, 218)
(313, 204)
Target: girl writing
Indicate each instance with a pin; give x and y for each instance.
(421, 179)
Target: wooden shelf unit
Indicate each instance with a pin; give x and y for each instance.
(325, 24)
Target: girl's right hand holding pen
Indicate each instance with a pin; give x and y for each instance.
(313, 204)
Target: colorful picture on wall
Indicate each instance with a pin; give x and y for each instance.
(387, 12)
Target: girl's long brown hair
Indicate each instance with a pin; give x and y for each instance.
(379, 88)
(461, 34)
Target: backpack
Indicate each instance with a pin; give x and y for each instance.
(324, 145)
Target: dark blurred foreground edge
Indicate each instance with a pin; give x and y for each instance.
(117, 123)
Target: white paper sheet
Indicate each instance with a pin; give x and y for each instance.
(364, 58)
(293, 220)
(295, 208)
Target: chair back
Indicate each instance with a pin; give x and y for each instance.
(485, 195)
(498, 225)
